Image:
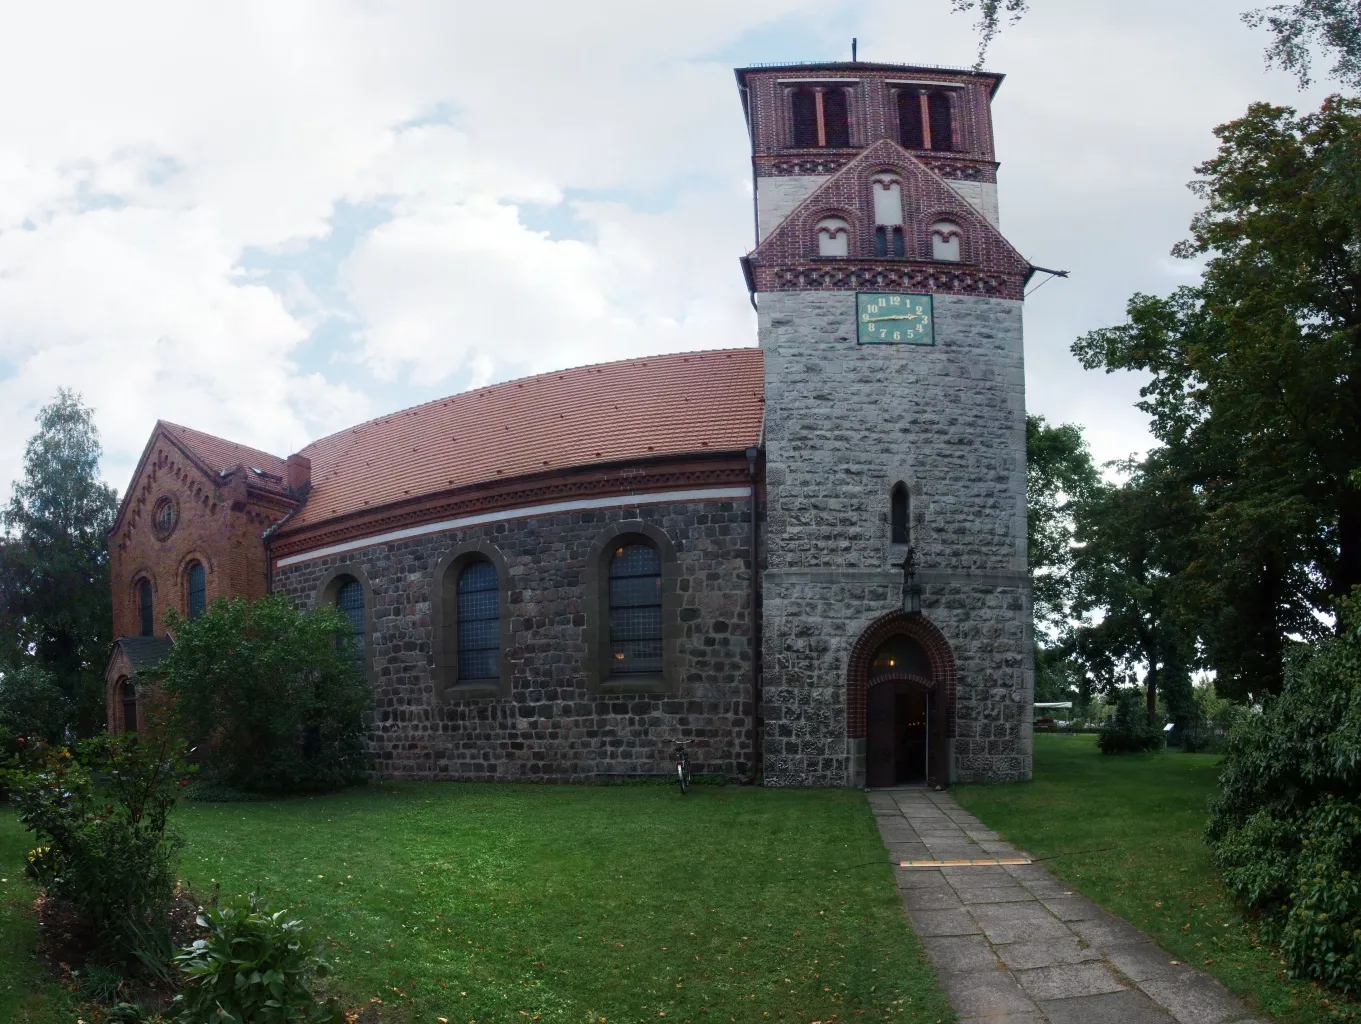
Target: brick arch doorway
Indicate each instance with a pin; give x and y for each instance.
(901, 703)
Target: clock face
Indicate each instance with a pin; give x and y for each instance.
(894, 319)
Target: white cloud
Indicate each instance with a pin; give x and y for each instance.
(563, 183)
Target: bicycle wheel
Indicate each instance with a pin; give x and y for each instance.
(683, 775)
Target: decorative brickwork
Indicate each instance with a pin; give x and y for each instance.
(932, 641)
(553, 726)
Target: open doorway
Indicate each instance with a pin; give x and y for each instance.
(900, 708)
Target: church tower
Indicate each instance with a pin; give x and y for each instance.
(890, 319)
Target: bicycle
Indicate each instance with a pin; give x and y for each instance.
(682, 766)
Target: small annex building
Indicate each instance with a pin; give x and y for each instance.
(558, 577)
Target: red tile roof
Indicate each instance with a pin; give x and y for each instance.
(219, 455)
(659, 406)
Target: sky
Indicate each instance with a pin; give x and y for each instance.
(271, 220)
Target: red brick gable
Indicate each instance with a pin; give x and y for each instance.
(788, 259)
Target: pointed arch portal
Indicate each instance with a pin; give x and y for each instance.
(901, 702)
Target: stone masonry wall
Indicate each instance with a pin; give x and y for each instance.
(553, 726)
(844, 422)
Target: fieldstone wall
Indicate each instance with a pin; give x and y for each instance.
(555, 726)
(844, 422)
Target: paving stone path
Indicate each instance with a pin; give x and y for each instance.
(1015, 944)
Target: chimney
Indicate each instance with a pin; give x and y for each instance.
(299, 474)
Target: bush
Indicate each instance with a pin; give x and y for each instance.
(1128, 731)
(269, 696)
(1286, 826)
(32, 704)
(101, 817)
(254, 967)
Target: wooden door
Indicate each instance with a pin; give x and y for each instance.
(880, 736)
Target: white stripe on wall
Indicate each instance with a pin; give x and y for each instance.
(526, 512)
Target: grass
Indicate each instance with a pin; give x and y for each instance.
(483, 902)
(1127, 831)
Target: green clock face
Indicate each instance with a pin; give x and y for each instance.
(889, 319)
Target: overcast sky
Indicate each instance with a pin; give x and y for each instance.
(270, 220)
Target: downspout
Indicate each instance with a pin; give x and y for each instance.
(757, 725)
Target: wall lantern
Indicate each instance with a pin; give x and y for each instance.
(912, 591)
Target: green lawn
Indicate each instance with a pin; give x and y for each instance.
(1127, 832)
(483, 902)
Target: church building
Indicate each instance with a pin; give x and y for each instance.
(807, 557)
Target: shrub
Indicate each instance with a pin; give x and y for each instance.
(254, 966)
(271, 699)
(1286, 826)
(32, 704)
(1128, 731)
(101, 816)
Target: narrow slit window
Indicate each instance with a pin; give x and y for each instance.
(635, 610)
(836, 119)
(897, 246)
(479, 622)
(350, 601)
(198, 590)
(898, 501)
(881, 241)
(146, 608)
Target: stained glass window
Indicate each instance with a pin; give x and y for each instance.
(350, 600)
(479, 622)
(198, 590)
(146, 608)
(635, 610)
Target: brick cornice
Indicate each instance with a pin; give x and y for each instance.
(951, 166)
(841, 274)
(631, 478)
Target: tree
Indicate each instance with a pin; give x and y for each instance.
(1060, 475)
(272, 697)
(1131, 541)
(55, 605)
(1334, 26)
(1255, 394)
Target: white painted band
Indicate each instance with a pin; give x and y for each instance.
(524, 512)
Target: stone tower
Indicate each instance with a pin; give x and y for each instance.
(890, 318)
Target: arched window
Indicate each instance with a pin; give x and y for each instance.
(836, 118)
(941, 119)
(129, 698)
(898, 521)
(635, 610)
(945, 241)
(834, 237)
(887, 193)
(910, 120)
(145, 607)
(196, 583)
(350, 601)
(804, 107)
(479, 622)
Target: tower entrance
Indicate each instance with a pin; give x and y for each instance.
(901, 675)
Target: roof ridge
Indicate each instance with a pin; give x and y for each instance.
(356, 428)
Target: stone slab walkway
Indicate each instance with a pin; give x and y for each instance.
(1015, 945)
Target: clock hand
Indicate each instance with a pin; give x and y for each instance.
(909, 316)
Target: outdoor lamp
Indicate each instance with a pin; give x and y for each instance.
(912, 591)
